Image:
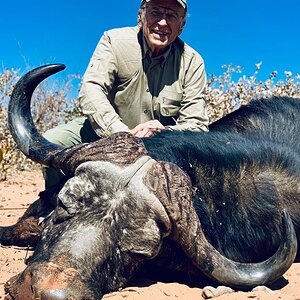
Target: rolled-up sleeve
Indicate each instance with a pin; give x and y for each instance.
(193, 113)
(96, 85)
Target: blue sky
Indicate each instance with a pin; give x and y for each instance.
(223, 32)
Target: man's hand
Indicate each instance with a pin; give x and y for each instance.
(147, 129)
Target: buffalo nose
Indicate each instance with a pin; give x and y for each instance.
(54, 294)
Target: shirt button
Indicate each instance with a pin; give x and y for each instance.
(146, 111)
(147, 90)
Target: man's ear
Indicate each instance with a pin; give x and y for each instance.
(139, 19)
(182, 24)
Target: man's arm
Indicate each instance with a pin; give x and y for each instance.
(97, 83)
(193, 113)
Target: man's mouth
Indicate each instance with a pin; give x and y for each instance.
(160, 33)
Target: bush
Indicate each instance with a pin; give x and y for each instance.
(225, 95)
(51, 104)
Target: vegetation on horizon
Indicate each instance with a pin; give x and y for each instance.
(52, 106)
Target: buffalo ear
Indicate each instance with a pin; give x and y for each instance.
(70, 200)
(142, 241)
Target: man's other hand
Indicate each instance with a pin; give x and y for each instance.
(147, 129)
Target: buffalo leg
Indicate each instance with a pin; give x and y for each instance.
(27, 230)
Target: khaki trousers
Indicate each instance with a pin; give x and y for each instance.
(74, 132)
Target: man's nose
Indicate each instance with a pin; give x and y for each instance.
(163, 21)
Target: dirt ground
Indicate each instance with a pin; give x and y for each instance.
(22, 188)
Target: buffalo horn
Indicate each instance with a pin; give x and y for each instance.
(173, 188)
(20, 121)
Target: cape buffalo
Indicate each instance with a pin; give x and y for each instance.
(226, 203)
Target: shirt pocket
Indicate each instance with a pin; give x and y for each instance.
(169, 104)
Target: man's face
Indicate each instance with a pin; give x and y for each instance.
(162, 23)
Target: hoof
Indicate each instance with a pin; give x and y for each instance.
(26, 232)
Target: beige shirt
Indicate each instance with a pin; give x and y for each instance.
(124, 86)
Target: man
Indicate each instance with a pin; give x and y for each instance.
(140, 79)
